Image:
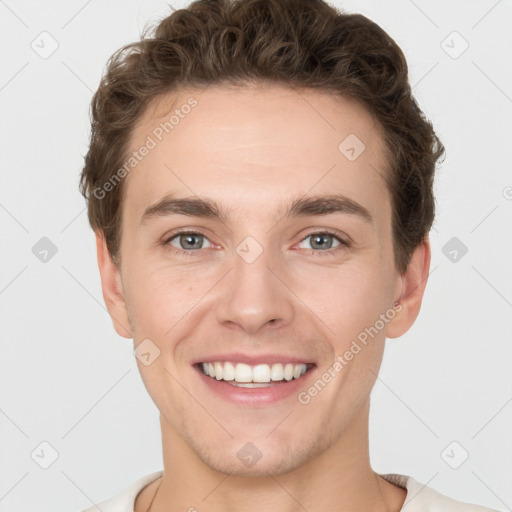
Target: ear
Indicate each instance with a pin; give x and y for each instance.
(413, 283)
(112, 288)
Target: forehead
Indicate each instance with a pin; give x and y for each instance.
(258, 143)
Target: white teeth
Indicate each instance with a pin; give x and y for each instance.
(297, 372)
(277, 372)
(243, 373)
(260, 373)
(228, 372)
(288, 371)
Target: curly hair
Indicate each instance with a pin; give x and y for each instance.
(296, 43)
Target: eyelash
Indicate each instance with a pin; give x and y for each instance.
(194, 252)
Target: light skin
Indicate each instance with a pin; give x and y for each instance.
(254, 151)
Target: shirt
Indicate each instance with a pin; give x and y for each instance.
(419, 497)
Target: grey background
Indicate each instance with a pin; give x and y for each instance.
(70, 381)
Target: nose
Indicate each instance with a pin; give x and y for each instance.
(254, 295)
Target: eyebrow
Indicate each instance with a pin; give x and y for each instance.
(301, 207)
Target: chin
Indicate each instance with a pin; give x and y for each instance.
(259, 459)
(263, 468)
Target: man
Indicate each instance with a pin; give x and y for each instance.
(259, 180)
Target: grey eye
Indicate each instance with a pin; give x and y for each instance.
(322, 241)
(188, 241)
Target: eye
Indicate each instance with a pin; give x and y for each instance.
(323, 241)
(187, 241)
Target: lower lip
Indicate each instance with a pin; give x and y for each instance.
(256, 396)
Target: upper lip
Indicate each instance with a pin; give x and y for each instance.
(254, 359)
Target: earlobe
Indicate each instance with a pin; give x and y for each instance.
(414, 282)
(112, 288)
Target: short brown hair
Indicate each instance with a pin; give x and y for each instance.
(295, 43)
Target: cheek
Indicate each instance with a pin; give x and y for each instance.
(161, 297)
(346, 298)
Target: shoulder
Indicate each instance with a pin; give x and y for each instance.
(124, 501)
(421, 498)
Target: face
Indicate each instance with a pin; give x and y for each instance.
(230, 255)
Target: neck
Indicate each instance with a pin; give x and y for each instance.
(339, 478)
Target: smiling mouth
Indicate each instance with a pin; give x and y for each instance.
(254, 376)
